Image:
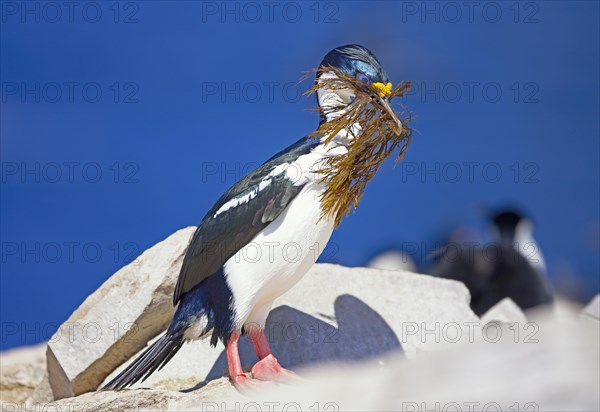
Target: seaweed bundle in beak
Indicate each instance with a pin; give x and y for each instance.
(380, 132)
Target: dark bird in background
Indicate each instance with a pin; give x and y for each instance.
(262, 236)
(510, 266)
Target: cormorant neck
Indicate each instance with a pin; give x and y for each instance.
(332, 103)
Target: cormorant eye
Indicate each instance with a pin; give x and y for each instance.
(363, 78)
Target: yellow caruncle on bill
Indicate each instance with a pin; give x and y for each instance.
(384, 90)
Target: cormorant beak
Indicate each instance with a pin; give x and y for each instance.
(386, 109)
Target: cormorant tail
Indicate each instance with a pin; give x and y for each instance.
(155, 357)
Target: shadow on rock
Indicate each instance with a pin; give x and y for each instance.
(298, 339)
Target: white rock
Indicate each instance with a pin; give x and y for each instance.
(393, 260)
(41, 395)
(338, 313)
(556, 368)
(21, 371)
(207, 399)
(592, 310)
(99, 335)
(505, 311)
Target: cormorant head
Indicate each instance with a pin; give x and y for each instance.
(357, 62)
(510, 225)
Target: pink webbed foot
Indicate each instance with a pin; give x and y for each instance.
(237, 377)
(247, 385)
(269, 369)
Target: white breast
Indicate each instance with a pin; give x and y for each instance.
(278, 257)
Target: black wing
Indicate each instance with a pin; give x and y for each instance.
(219, 237)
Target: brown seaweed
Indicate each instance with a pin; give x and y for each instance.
(346, 175)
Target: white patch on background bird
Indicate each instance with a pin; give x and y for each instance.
(527, 246)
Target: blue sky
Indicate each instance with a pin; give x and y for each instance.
(123, 122)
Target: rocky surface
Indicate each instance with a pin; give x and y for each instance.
(550, 366)
(393, 260)
(117, 320)
(364, 339)
(592, 310)
(505, 311)
(42, 393)
(338, 313)
(21, 371)
(208, 399)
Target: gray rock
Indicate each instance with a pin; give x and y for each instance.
(592, 310)
(505, 311)
(117, 320)
(340, 314)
